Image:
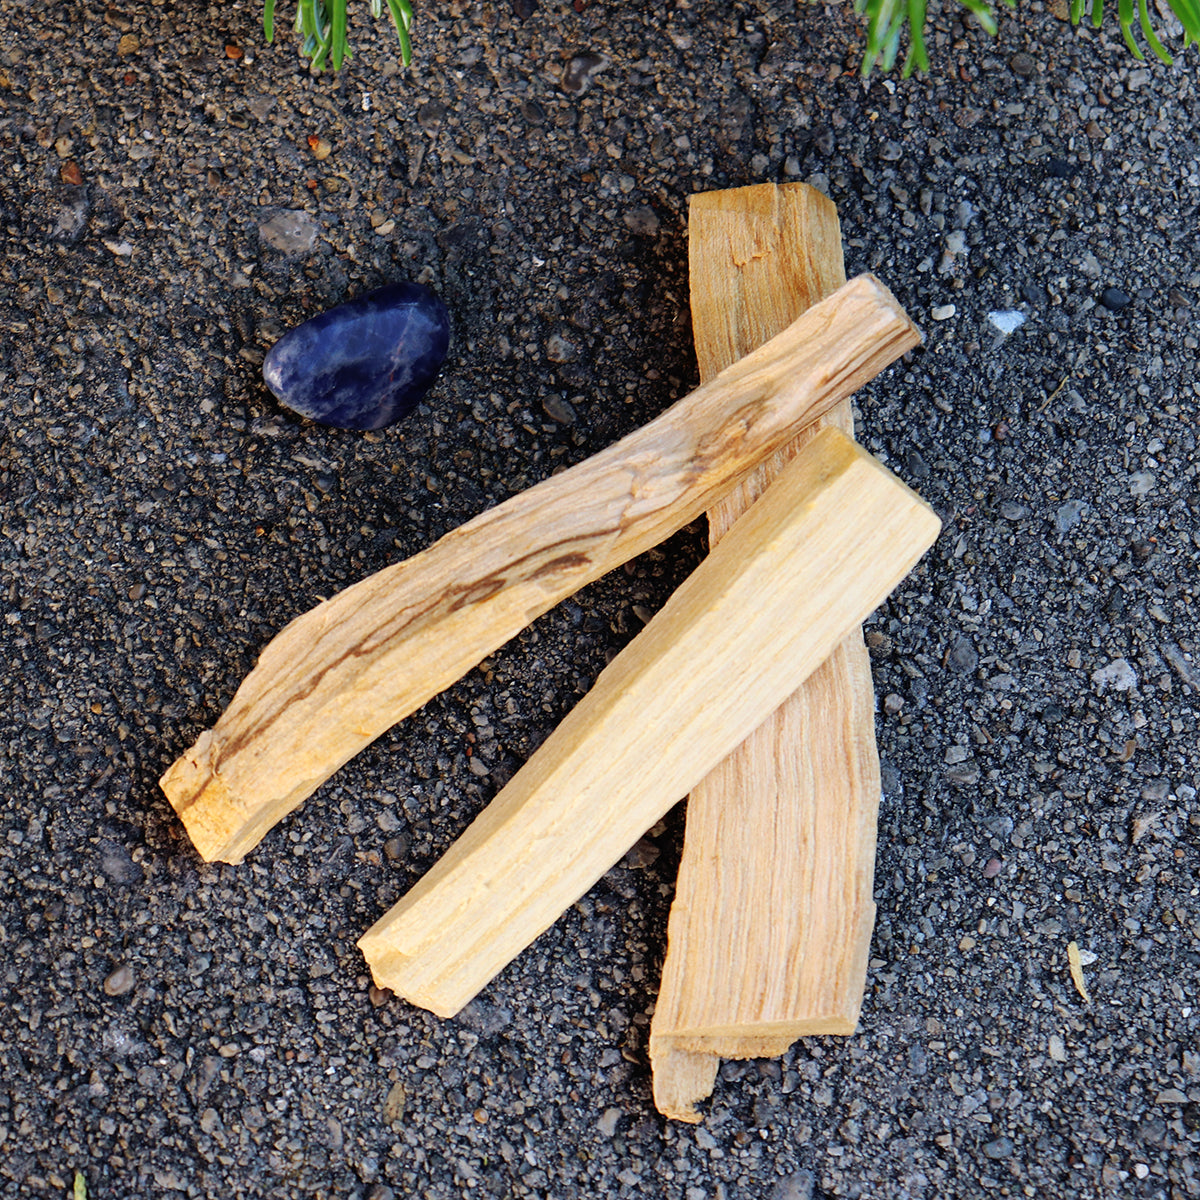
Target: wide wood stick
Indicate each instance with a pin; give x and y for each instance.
(773, 909)
(337, 677)
(826, 543)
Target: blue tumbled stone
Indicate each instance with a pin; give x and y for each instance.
(364, 364)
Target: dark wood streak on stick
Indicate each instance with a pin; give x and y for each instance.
(379, 638)
(336, 678)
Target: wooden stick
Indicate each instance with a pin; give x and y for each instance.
(826, 543)
(336, 678)
(773, 910)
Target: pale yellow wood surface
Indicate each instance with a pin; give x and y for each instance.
(826, 543)
(773, 910)
(337, 677)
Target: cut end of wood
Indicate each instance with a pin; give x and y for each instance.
(681, 1081)
(204, 804)
(685, 1065)
(388, 972)
(215, 819)
(876, 292)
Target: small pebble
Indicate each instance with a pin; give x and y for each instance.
(1008, 321)
(559, 350)
(1034, 294)
(1023, 65)
(1068, 515)
(943, 312)
(992, 868)
(963, 656)
(559, 410)
(642, 221)
(918, 468)
(1115, 299)
(607, 1125)
(577, 75)
(119, 982)
(1000, 1148)
(1118, 675)
(292, 231)
(430, 116)
(642, 855)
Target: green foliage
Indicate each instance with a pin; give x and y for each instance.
(323, 25)
(889, 20)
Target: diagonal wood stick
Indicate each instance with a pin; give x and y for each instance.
(773, 909)
(337, 677)
(826, 543)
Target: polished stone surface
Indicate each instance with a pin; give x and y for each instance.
(366, 363)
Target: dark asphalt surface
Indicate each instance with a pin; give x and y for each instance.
(168, 1027)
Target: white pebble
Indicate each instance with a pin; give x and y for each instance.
(1141, 1170)
(943, 312)
(1118, 675)
(1007, 322)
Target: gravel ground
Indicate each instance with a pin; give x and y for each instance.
(174, 195)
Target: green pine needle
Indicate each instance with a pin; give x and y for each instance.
(889, 20)
(1148, 31)
(323, 25)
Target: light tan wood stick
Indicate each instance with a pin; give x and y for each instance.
(825, 544)
(337, 677)
(773, 910)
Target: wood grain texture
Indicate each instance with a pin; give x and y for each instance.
(826, 543)
(337, 677)
(773, 911)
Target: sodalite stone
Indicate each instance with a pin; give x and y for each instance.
(364, 364)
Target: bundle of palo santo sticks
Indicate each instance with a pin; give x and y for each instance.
(750, 690)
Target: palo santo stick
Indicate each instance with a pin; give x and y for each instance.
(335, 678)
(773, 909)
(826, 543)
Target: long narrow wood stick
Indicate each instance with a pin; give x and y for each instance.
(773, 908)
(337, 677)
(826, 543)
